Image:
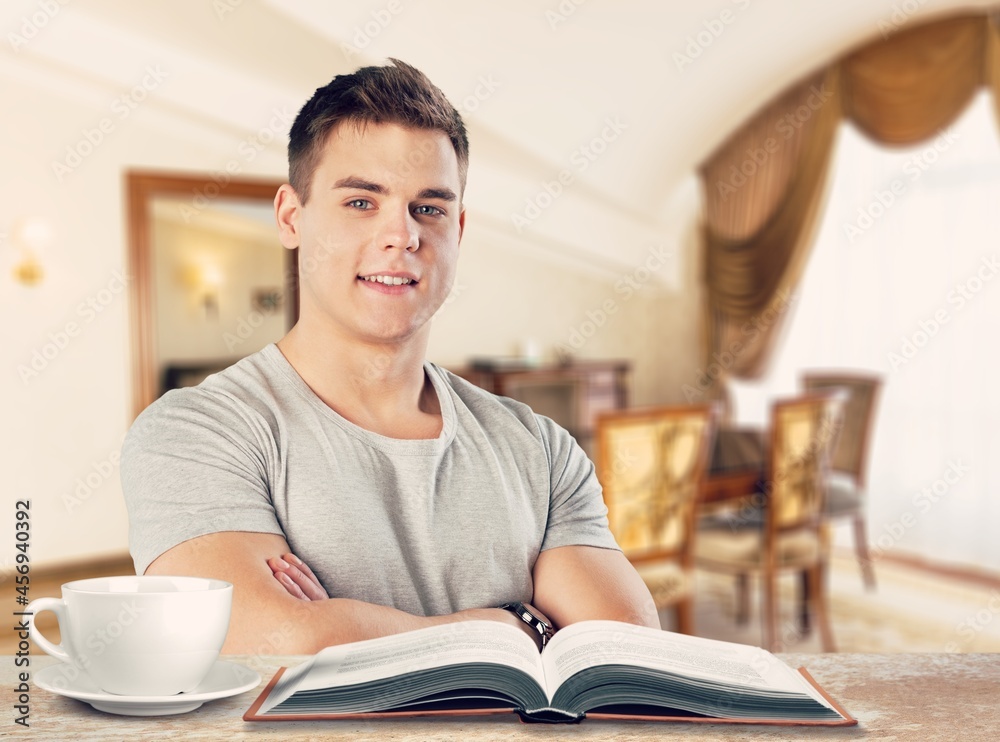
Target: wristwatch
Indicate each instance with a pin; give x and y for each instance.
(537, 624)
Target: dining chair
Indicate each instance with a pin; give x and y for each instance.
(651, 463)
(784, 530)
(846, 491)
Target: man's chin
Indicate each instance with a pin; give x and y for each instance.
(393, 336)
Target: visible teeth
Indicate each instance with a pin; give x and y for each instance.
(389, 280)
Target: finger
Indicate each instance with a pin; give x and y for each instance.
(307, 584)
(308, 581)
(280, 569)
(301, 565)
(290, 586)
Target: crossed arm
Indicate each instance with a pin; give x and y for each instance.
(279, 607)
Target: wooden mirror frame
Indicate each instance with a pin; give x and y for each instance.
(141, 186)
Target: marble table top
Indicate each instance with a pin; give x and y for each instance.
(893, 696)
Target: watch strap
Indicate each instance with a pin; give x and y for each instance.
(539, 626)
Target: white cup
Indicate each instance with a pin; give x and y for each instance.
(139, 635)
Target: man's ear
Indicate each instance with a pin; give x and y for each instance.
(287, 209)
(461, 225)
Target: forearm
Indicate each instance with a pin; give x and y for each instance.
(305, 627)
(267, 618)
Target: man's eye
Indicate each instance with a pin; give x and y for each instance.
(360, 203)
(427, 210)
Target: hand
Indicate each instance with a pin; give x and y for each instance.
(508, 617)
(295, 576)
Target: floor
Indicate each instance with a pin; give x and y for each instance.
(911, 610)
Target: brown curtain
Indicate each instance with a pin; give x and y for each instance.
(764, 186)
(906, 89)
(993, 59)
(763, 189)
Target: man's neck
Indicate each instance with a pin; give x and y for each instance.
(379, 387)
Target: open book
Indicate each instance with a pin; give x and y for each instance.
(601, 669)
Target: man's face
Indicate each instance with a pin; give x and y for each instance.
(379, 235)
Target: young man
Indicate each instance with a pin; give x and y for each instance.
(415, 497)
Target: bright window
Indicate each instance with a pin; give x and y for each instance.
(904, 280)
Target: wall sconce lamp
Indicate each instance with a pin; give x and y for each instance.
(211, 283)
(203, 281)
(29, 236)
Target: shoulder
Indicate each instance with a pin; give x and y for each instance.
(238, 402)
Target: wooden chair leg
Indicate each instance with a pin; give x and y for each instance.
(805, 600)
(742, 599)
(861, 549)
(684, 616)
(770, 614)
(819, 602)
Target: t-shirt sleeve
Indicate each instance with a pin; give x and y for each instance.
(577, 513)
(194, 464)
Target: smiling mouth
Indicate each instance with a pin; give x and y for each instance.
(389, 280)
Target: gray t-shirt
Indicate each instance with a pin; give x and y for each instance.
(426, 526)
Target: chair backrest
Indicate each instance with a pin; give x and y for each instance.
(803, 432)
(850, 455)
(651, 463)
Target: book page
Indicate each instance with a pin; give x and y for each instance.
(460, 643)
(591, 643)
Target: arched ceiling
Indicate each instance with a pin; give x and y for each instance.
(659, 84)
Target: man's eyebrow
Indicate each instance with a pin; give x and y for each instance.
(354, 182)
(443, 194)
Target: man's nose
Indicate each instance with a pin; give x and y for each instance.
(399, 229)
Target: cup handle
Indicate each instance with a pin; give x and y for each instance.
(57, 606)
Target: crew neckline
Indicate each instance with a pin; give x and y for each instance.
(403, 446)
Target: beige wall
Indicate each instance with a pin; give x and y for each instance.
(67, 415)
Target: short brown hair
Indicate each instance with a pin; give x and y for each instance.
(394, 94)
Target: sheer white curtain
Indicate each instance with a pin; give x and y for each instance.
(905, 281)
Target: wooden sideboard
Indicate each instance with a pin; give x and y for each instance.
(572, 394)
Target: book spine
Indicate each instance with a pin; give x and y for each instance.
(549, 715)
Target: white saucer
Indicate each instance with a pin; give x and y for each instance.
(223, 680)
